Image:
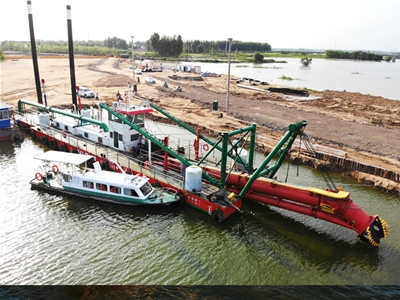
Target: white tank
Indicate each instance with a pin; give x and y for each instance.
(243, 156)
(193, 179)
(85, 113)
(44, 119)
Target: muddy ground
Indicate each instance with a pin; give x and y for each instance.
(360, 127)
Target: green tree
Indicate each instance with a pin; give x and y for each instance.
(154, 41)
(116, 43)
(196, 46)
(389, 58)
(1, 55)
(258, 57)
(306, 61)
(167, 46)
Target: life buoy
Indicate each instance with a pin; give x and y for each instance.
(53, 144)
(39, 176)
(19, 136)
(64, 148)
(206, 147)
(55, 169)
(44, 139)
(147, 165)
(218, 215)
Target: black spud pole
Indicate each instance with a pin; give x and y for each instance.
(34, 54)
(71, 57)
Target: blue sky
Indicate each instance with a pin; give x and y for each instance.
(342, 24)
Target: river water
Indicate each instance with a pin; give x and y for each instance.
(53, 240)
(366, 77)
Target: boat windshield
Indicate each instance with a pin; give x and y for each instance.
(146, 189)
(138, 119)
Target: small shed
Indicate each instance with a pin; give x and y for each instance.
(197, 69)
(191, 69)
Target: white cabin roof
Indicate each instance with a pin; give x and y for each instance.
(4, 105)
(115, 177)
(64, 157)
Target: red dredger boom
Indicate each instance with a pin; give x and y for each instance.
(334, 207)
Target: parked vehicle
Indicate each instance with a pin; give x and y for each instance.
(138, 71)
(150, 80)
(86, 93)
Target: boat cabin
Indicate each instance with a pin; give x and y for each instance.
(5, 122)
(76, 177)
(121, 136)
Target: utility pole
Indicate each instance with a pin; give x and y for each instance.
(133, 70)
(229, 75)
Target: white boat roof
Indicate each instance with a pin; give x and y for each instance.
(64, 157)
(4, 105)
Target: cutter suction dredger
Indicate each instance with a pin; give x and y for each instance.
(333, 206)
(259, 184)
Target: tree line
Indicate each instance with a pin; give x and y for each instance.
(163, 46)
(197, 46)
(166, 46)
(356, 55)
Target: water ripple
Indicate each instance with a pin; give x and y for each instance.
(52, 240)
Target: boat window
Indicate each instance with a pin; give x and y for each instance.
(86, 134)
(66, 128)
(88, 184)
(113, 118)
(4, 115)
(57, 125)
(111, 134)
(101, 187)
(139, 119)
(130, 192)
(120, 137)
(67, 177)
(115, 189)
(100, 140)
(129, 118)
(134, 137)
(146, 189)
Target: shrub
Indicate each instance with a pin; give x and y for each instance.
(258, 57)
(306, 61)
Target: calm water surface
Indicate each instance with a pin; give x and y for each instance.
(47, 239)
(366, 77)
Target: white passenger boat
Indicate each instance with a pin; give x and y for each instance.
(69, 174)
